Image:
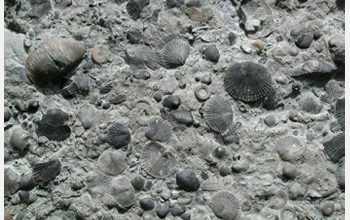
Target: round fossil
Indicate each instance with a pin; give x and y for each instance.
(46, 171)
(218, 114)
(173, 52)
(118, 135)
(290, 148)
(225, 205)
(158, 130)
(112, 162)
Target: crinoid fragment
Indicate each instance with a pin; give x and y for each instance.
(54, 126)
(157, 160)
(173, 52)
(88, 116)
(53, 58)
(335, 148)
(212, 53)
(290, 148)
(112, 162)
(140, 57)
(46, 171)
(134, 7)
(247, 81)
(340, 112)
(218, 114)
(123, 192)
(158, 130)
(118, 135)
(225, 205)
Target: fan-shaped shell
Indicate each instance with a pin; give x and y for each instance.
(157, 160)
(140, 57)
(247, 81)
(212, 53)
(180, 118)
(173, 52)
(46, 171)
(225, 205)
(78, 84)
(123, 192)
(218, 114)
(134, 7)
(340, 112)
(335, 148)
(158, 130)
(112, 162)
(88, 116)
(310, 105)
(100, 189)
(53, 125)
(290, 148)
(118, 135)
(230, 136)
(53, 58)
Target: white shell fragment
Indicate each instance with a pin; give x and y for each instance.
(290, 148)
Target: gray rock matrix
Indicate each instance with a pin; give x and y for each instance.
(174, 109)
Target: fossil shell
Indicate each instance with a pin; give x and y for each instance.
(230, 136)
(247, 81)
(212, 53)
(19, 139)
(123, 192)
(53, 58)
(333, 92)
(118, 135)
(99, 188)
(112, 162)
(157, 160)
(290, 148)
(225, 205)
(106, 88)
(310, 105)
(53, 125)
(340, 112)
(78, 84)
(101, 55)
(328, 209)
(88, 116)
(134, 7)
(173, 52)
(11, 181)
(180, 118)
(158, 130)
(117, 99)
(218, 114)
(140, 57)
(335, 148)
(340, 174)
(46, 171)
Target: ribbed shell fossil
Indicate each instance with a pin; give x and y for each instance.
(180, 118)
(340, 112)
(134, 7)
(140, 57)
(100, 188)
(53, 125)
(335, 148)
(118, 135)
(157, 160)
(77, 84)
(212, 53)
(310, 105)
(218, 114)
(158, 130)
(53, 58)
(173, 52)
(112, 162)
(46, 171)
(247, 81)
(230, 136)
(225, 205)
(123, 192)
(290, 148)
(88, 116)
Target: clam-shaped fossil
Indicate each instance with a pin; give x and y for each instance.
(247, 81)
(157, 160)
(218, 114)
(46, 171)
(225, 205)
(173, 52)
(19, 139)
(118, 135)
(180, 118)
(54, 126)
(290, 148)
(212, 53)
(123, 192)
(88, 116)
(310, 105)
(99, 188)
(140, 57)
(230, 136)
(53, 58)
(112, 162)
(335, 148)
(77, 84)
(158, 130)
(134, 7)
(340, 112)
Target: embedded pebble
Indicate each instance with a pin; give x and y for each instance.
(171, 102)
(304, 41)
(289, 171)
(7, 114)
(162, 210)
(178, 209)
(157, 96)
(187, 180)
(147, 204)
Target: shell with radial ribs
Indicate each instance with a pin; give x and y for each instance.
(157, 160)
(218, 114)
(173, 52)
(212, 53)
(340, 112)
(158, 130)
(140, 57)
(290, 148)
(112, 162)
(118, 135)
(225, 205)
(134, 7)
(88, 116)
(77, 84)
(54, 126)
(123, 192)
(53, 58)
(247, 81)
(46, 171)
(335, 148)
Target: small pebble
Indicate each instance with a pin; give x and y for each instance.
(134, 36)
(141, 74)
(27, 183)
(172, 102)
(232, 38)
(137, 182)
(33, 106)
(270, 121)
(246, 206)
(186, 216)
(88, 65)
(224, 170)
(162, 210)
(279, 39)
(187, 180)
(148, 185)
(106, 105)
(77, 185)
(178, 209)
(297, 31)
(7, 114)
(101, 55)
(157, 96)
(206, 79)
(27, 197)
(289, 171)
(147, 204)
(304, 41)
(317, 35)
